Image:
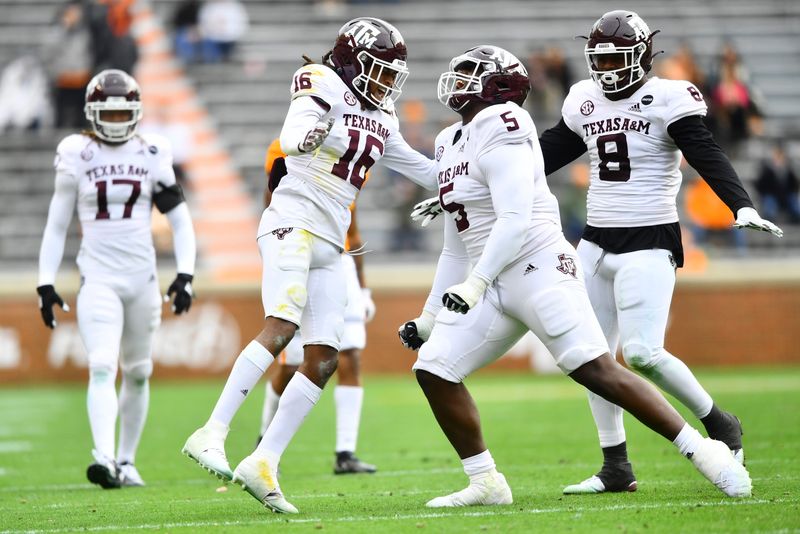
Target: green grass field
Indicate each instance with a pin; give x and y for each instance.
(539, 430)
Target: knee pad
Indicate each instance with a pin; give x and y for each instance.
(139, 371)
(101, 372)
(639, 356)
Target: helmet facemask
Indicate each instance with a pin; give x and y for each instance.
(616, 80)
(373, 71)
(463, 78)
(113, 131)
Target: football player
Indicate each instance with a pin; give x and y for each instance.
(340, 122)
(506, 268)
(115, 177)
(349, 394)
(635, 128)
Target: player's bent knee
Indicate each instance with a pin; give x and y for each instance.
(139, 371)
(639, 356)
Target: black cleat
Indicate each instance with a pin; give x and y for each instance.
(611, 478)
(348, 463)
(104, 476)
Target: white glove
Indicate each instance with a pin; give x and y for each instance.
(462, 297)
(316, 136)
(426, 211)
(369, 304)
(749, 218)
(417, 331)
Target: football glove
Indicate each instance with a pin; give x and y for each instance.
(462, 297)
(48, 297)
(416, 331)
(316, 136)
(426, 211)
(749, 218)
(369, 304)
(182, 288)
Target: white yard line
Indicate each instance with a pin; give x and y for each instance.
(498, 512)
(15, 446)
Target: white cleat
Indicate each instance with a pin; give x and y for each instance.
(129, 476)
(207, 447)
(718, 464)
(259, 478)
(593, 485)
(485, 489)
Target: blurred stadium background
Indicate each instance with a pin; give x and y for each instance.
(737, 302)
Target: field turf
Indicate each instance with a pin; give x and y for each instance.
(539, 430)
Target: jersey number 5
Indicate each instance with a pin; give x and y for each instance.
(102, 198)
(356, 175)
(615, 166)
(462, 223)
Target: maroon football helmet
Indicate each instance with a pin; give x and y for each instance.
(485, 73)
(371, 50)
(626, 34)
(113, 90)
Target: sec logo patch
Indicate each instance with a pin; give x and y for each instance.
(350, 98)
(587, 108)
(439, 153)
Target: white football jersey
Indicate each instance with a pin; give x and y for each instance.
(464, 192)
(115, 186)
(319, 187)
(635, 173)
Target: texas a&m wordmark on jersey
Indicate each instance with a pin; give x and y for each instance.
(115, 186)
(635, 173)
(463, 187)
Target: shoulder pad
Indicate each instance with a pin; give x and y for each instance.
(317, 81)
(501, 124)
(71, 149)
(682, 99)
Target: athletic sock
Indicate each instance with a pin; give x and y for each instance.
(134, 398)
(271, 400)
(299, 397)
(246, 372)
(478, 464)
(101, 403)
(349, 400)
(688, 440)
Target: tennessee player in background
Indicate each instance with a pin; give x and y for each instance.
(115, 177)
(505, 269)
(348, 394)
(340, 122)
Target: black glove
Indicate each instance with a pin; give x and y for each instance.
(48, 297)
(409, 336)
(182, 287)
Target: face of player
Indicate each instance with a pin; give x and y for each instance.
(385, 78)
(606, 62)
(116, 115)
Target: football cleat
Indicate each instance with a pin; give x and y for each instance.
(486, 489)
(259, 477)
(207, 447)
(593, 484)
(610, 479)
(730, 435)
(717, 463)
(347, 463)
(103, 472)
(129, 476)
